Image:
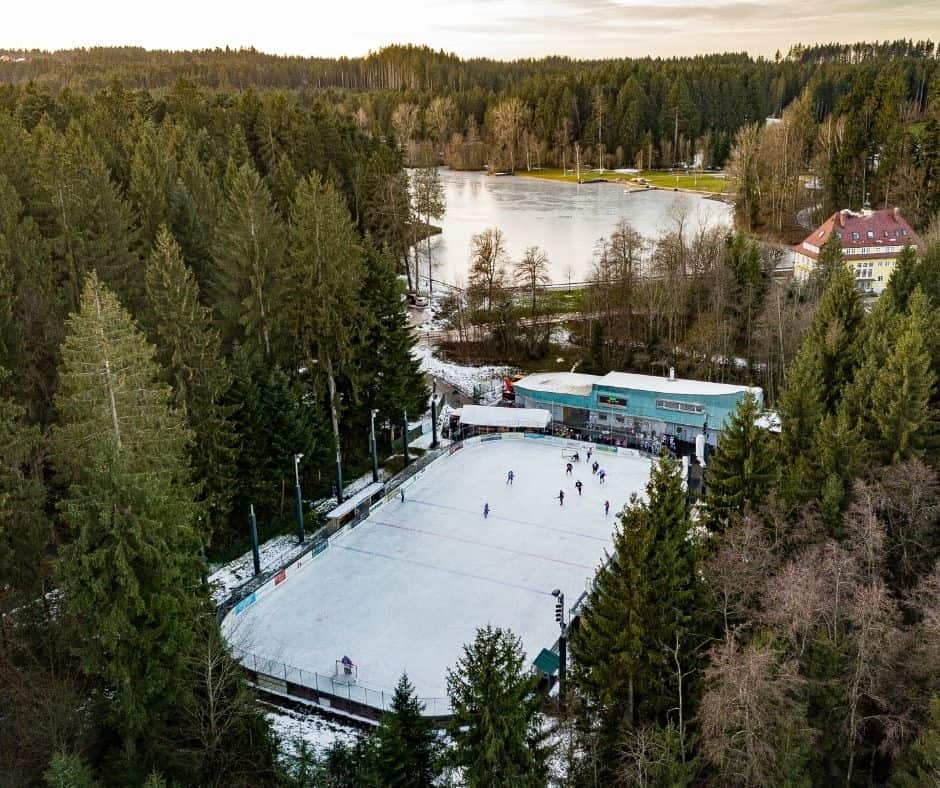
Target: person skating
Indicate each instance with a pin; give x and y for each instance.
(589, 452)
(402, 491)
(595, 466)
(510, 477)
(576, 457)
(578, 485)
(602, 474)
(486, 510)
(606, 508)
(561, 497)
(568, 469)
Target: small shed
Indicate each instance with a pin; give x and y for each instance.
(356, 507)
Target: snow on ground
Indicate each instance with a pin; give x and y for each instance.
(277, 551)
(230, 576)
(459, 376)
(316, 731)
(404, 590)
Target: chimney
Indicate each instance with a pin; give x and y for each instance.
(897, 214)
(672, 373)
(842, 214)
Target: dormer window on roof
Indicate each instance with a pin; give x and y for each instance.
(871, 234)
(855, 236)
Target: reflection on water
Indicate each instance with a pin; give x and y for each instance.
(563, 218)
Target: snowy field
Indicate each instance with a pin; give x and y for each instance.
(404, 590)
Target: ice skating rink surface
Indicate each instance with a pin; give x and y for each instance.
(405, 589)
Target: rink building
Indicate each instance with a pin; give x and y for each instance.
(622, 407)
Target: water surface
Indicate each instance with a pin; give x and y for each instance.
(565, 219)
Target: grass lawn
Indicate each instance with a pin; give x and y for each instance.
(663, 179)
(702, 182)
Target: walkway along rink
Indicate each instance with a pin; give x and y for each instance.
(404, 590)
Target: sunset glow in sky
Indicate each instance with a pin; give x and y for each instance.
(503, 29)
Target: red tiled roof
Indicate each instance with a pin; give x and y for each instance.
(866, 229)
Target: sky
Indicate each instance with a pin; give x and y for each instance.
(502, 29)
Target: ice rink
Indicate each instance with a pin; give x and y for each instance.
(406, 588)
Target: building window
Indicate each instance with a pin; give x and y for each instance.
(871, 234)
(683, 407)
(611, 401)
(855, 236)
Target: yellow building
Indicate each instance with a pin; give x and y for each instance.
(871, 242)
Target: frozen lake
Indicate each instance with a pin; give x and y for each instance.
(408, 587)
(565, 219)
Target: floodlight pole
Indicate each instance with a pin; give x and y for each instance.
(404, 437)
(562, 644)
(299, 501)
(253, 530)
(375, 456)
(433, 413)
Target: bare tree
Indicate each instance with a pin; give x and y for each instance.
(507, 121)
(531, 272)
(749, 715)
(488, 259)
(736, 573)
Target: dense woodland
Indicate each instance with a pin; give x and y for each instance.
(200, 265)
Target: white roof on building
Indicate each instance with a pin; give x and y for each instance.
(581, 384)
(486, 416)
(559, 382)
(629, 380)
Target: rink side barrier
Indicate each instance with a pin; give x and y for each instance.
(308, 686)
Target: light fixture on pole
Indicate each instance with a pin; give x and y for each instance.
(299, 499)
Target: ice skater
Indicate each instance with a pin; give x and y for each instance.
(486, 510)
(561, 497)
(510, 477)
(595, 466)
(578, 485)
(602, 474)
(606, 508)
(568, 469)
(347, 665)
(576, 457)
(402, 492)
(589, 452)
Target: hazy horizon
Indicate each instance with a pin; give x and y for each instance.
(497, 29)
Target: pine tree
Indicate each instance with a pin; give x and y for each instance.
(801, 405)
(830, 263)
(406, 744)
(393, 381)
(919, 764)
(642, 602)
(902, 391)
(903, 278)
(327, 260)
(274, 419)
(495, 724)
(153, 179)
(87, 221)
(742, 469)
(835, 335)
(250, 243)
(131, 573)
(25, 531)
(189, 352)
